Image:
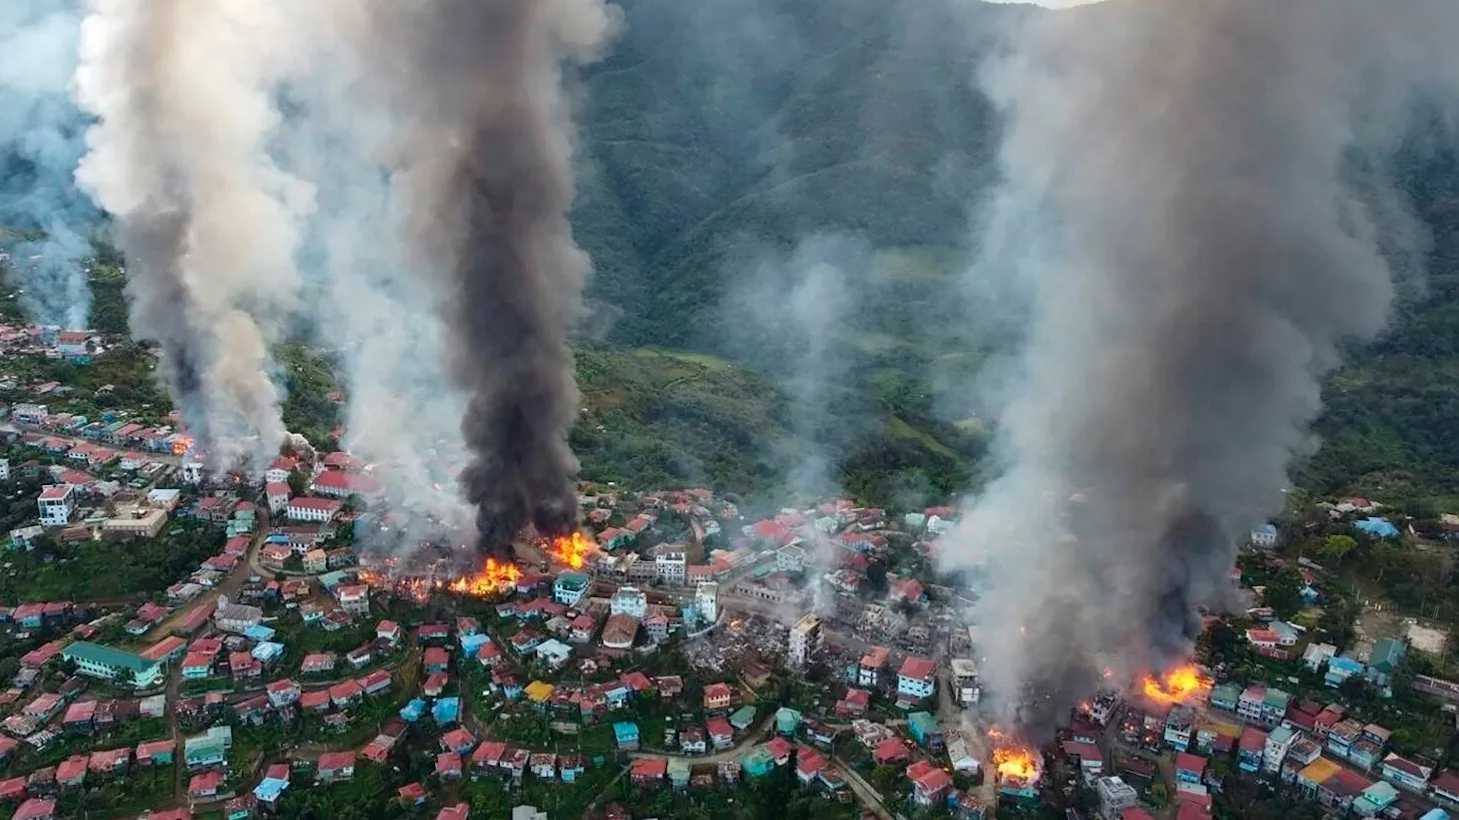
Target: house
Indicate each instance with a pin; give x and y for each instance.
(354, 599)
(35, 808)
(334, 767)
(721, 734)
(346, 693)
(570, 587)
(1387, 654)
(1264, 537)
(458, 740)
(310, 508)
(208, 749)
(283, 692)
(544, 765)
(435, 659)
(1278, 742)
(1405, 773)
(376, 682)
(316, 561)
(155, 752)
(205, 786)
(56, 503)
(1339, 669)
(930, 784)
(1445, 787)
(448, 766)
(71, 772)
(388, 631)
(646, 771)
(717, 697)
(917, 679)
(890, 751)
(1250, 749)
(1190, 769)
(925, 729)
(277, 495)
(317, 663)
(692, 741)
(625, 735)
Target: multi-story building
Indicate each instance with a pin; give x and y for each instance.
(1115, 795)
(570, 587)
(629, 601)
(868, 672)
(706, 600)
(1278, 743)
(805, 638)
(670, 567)
(109, 663)
(965, 681)
(57, 502)
(309, 508)
(917, 679)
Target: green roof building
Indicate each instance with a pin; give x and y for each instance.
(757, 762)
(787, 720)
(743, 717)
(1226, 696)
(109, 663)
(208, 749)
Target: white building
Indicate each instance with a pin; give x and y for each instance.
(1115, 795)
(193, 471)
(308, 508)
(917, 679)
(57, 502)
(355, 599)
(706, 600)
(277, 493)
(805, 638)
(1264, 537)
(629, 601)
(29, 413)
(965, 681)
(790, 558)
(670, 567)
(4, 469)
(1278, 742)
(236, 618)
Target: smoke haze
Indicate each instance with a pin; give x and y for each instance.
(184, 97)
(1177, 199)
(41, 139)
(483, 170)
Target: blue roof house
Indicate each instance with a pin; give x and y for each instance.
(1377, 527)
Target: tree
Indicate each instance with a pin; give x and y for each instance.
(1284, 593)
(1337, 546)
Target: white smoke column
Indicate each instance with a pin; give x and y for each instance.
(183, 94)
(41, 139)
(369, 302)
(1178, 197)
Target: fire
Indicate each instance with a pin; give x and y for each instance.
(1016, 765)
(572, 550)
(494, 577)
(1179, 685)
(181, 445)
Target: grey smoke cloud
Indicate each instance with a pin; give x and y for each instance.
(1178, 204)
(481, 163)
(184, 98)
(41, 139)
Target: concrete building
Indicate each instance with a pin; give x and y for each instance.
(965, 681)
(108, 663)
(309, 508)
(805, 638)
(706, 600)
(1115, 795)
(57, 503)
(570, 587)
(137, 522)
(629, 601)
(670, 567)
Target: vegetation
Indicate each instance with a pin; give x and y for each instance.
(90, 570)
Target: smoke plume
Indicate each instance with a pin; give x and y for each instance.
(41, 139)
(1200, 252)
(483, 170)
(184, 99)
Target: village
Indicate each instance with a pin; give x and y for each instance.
(676, 652)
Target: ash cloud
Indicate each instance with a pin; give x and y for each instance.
(184, 100)
(41, 140)
(481, 164)
(1178, 201)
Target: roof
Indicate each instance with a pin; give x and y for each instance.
(55, 492)
(1185, 761)
(106, 655)
(651, 768)
(313, 503)
(335, 760)
(1252, 739)
(918, 668)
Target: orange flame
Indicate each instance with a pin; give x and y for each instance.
(493, 578)
(1179, 685)
(572, 550)
(1016, 764)
(181, 445)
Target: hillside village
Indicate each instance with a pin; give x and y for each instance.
(688, 650)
